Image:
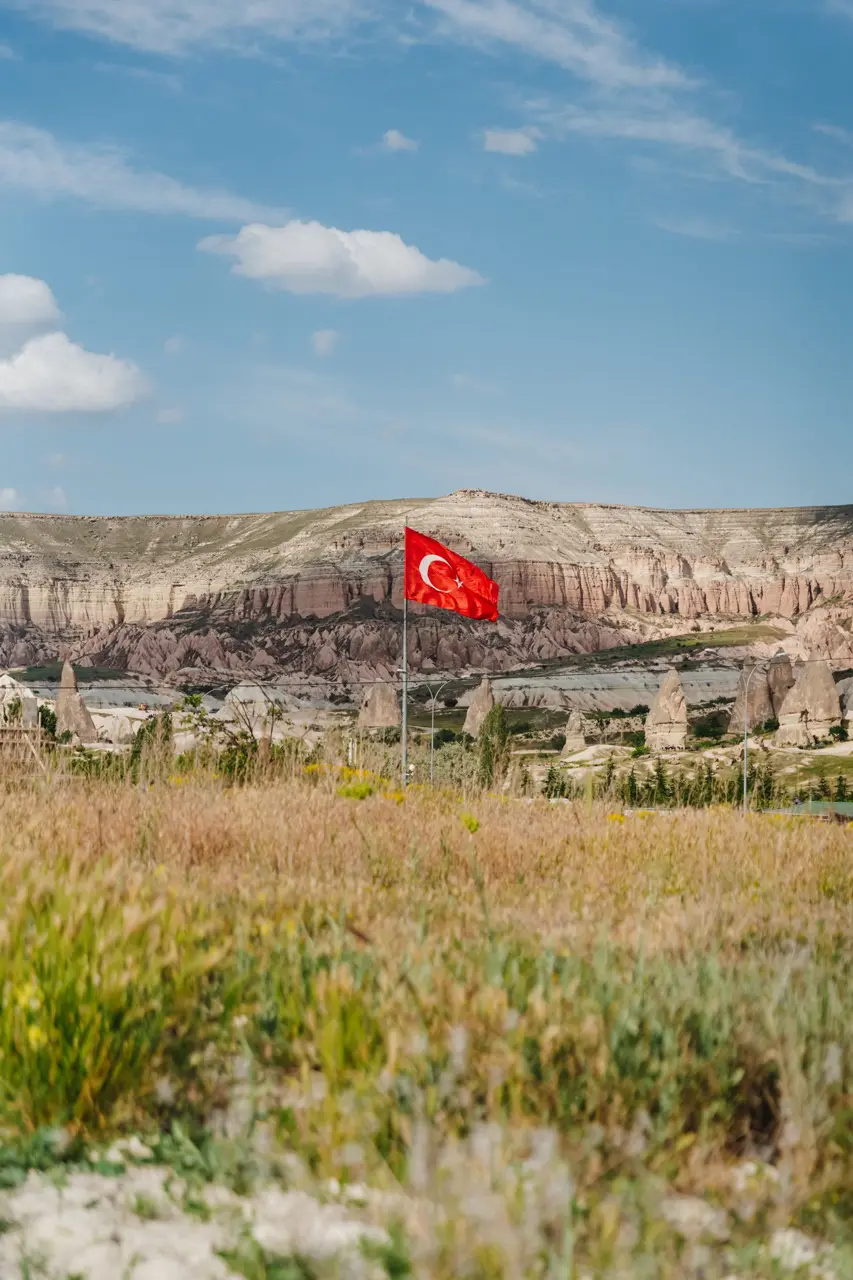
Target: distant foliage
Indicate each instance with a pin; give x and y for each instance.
(47, 720)
(493, 748)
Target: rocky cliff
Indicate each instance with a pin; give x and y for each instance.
(318, 592)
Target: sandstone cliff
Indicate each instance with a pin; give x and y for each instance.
(318, 592)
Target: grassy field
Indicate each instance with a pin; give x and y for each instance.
(545, 1033)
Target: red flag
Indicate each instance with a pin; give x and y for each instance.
(436, 575)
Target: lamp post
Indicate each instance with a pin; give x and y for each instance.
(432, 731)
(780, 654)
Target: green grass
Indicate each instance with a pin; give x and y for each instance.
(477, 1003)
(52, 672)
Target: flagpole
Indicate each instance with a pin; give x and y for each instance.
(404, 736)
(405, 685)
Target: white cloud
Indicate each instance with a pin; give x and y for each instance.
(10, 500)
(664, 123)
(306, 257)
(171, 417)
(511, 142)
(7, 53)
(324, 341)
(51, 374)
(173, 26)
(26, 301)
(572, 34)
(34, 160)
(174, 346)
(835, 132)
(393, 140)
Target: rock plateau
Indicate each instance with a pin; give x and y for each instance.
(203, 599)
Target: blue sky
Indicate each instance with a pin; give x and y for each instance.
(292, 253)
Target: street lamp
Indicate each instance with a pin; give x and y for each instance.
(780, 654)
(432, 731)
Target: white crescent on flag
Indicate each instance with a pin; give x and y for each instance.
(425, 566)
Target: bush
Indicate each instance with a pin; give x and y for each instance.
(838, 733)
(557, 742)
(47, 720)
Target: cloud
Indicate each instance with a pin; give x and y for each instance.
(306, 257)
(51, 374)
(7, 53)
(174, 26)
(393, 140)
(511, 142)
(666, 124)
(26, 301)
(34, 160)
(10, 500)
(174, 346)
(171, 417)
(835, 132)
(572, 34)
(324, 341)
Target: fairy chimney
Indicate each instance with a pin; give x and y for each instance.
(380, 709)
(575, 739)
(481, 704)
(666, 723)
(811, 708)
(72, 715)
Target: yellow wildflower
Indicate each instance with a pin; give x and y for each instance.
(36, 1037)
(28, 996)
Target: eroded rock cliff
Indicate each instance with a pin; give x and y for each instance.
(318, 592)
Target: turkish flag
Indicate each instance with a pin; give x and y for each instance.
(436, 575)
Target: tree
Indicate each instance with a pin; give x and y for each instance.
(659, 786)
(493, 748)
(554, 786)
(13, 710)
(609, 774)
(841, 792)
(823, 788)
(631, 790)
(47, 720)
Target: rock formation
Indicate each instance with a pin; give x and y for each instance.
(380, 709)
(811, 709)
(14, 694)
(223, 598)
(666, 723)
(768, 686)
(479, 707)
(780, 679)
(72, 715)
(575, 739)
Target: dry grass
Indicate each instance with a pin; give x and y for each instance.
(664, 995)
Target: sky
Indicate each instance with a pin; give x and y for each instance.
(287, 254)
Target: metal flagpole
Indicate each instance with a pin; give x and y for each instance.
(405, 752)
(405, 687)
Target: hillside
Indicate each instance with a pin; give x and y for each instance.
(318, 592)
